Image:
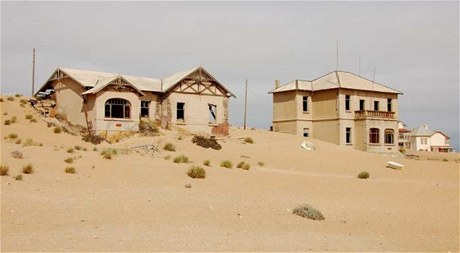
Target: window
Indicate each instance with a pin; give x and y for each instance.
(117, 108)
(361, 104)
(424, 141)
(305, 103)
(376, 105)
(145, 108)
(306, 132)
(348, 135)
(389, 104)
(212, 113)
(347, 102)
(389, 136)
(374, 135)
(181, 111)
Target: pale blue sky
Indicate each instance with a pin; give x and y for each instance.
(414, 46)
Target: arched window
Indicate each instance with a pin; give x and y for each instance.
(117, 108)
(374, 135)
(389, 136)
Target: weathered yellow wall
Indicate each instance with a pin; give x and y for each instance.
(154, 102)
(289, 127)
(285, 106)
(325, 104)
(69, 103)
(369, 97)
(326, 131)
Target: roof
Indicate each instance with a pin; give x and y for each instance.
(334, 80)
(96, 81)
(423, 130)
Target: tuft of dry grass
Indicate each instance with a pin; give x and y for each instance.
(18, 177)
(69, 160)
(18, 141)
(12, 136)
(70, 150)
(28, 169)
(28, 142)
(14, 120)
(308, 212)
(70, 170)
(28, 116)
(57, 130)
(248, 140)
(77, 147)
(169, 147)
(226, 164)
(244, 165)
(261, 164)
(363, 175)
(196, 172)
(10, 99)
(167, 157)
(207, 163)
(4, 170)
(108, 153)
(7, 122)
(181, 159)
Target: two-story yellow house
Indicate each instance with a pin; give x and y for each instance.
(340, 108)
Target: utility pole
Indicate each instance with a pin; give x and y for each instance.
(337, 66)
(33, 72)
(245, 102)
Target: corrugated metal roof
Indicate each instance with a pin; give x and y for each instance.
(336, 79)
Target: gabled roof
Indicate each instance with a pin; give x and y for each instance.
(334, 80)
(107, 82)
(423, 130)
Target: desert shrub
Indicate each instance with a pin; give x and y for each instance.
(181, 159)
(34, 120)
(10, 99)
(18, 177)
(7, 122)
(57, 130)
(445, 160)
(16, 154)
(23, 101)
(28, 116)
(207, 163)
(12, 136)
(243, 165)
(70, 170)
(92, 138)
(28, 142)
(148, 127)
(28, 169)
(248, 140)
(70, 150)
(68, 160)
(226, 164)
(402, 150)
(17, 95)
(4, 170)
(204, 142)
(363, 175)
(85, 149)
(309, 212)
(18, 141)
(261, 164)
(107, 153)
(1, 99)
(169, 147)
(14, 120)
(167, 157)
(180, 138)
(77, 147)
(196, 172)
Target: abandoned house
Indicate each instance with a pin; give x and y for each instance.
(340, 108)
(102, 101)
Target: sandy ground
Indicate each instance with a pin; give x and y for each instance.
(138, 202)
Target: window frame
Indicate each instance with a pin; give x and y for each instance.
(388, 136)
(362, 104)
(389, 104)
(143, 107)
(374, 137)
(117, 103)
(348, 135)
(305, 104)
(347, 102)
(182, 110)
(306, 132)
(376, 105)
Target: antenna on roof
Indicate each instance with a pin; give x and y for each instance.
(359, 66)
(245, 102)
(337, 65)
(373, 81)
(33, 71)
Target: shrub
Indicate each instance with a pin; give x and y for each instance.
(204, 142)
(10, 99)
(28, 142)
(248, 140)
(363, 175)
(70, 170)
(14, 119)
(16, 154)
(445, 160)
(167, 157)
(107, 153)
(4, 170)
(70, 150)
(7, 122)
(28, 116)
(77, 147)
(23, 101)
(34, 120)
(94, 139)
(18, 177)
(226, 164)
(147, 127)
(57, 130)
(169, 147)
(402, 150)
(17, 95)
(18, 141)
(28, 169)
(244, 166)
(181, 159)
(207, 163)
(309, 212)
(261, 164)
(69, 160)
(1, 99)
(12, 136)
(196, 172)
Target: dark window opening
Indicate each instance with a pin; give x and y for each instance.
(389, 133)
(374, 135)
(306, 132)
(348, 135)
(145, 108)
(376, 105)
(212, 113)
(389, 101)
(117, 108)
(181, 111)
(361, 105)
(305, 103)
(347, 102)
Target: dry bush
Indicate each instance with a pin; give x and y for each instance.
(77, 147)
(34, 120)
(196, 172)
(69, 160)
(28, 116)
(57, 129)
(207, 163)
(18, 141)
(261, 164)
(148, 127)
(169, 147)
(10, 99)
(167, 157)
(16, 154)
(4, 170)
(107, 153)
(28, 142)
(92, 138)
(118, 136)
(248, 140)
(70, 170)
(226, 164)
(14, 120)
(1, 99)
(17, 95)
(181, 159)
(363, 175)
(70, 150)
(309, 212)
(12, 136)
(204, 142)
(28, 169)
(7, 122)
(18, 177)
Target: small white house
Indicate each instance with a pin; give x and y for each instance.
(425, 139)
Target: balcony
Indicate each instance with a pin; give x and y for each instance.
(374, 115)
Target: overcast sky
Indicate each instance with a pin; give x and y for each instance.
(413, 45)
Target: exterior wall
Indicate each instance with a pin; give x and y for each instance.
(418, 145)
(343, 124)
(326, 131)
(437, 139)
(284, 106)
(369, 98)
(154, 99)
(69, 103)
(380, 147)
(289, 127)
(116, 124)
(325, 105)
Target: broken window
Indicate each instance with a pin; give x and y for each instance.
(376, 105)
(305, 103)
(374, 135)
(389, 133)
(361, 104)
(389, 101)
(181, 111)
(347, 102)
(306, 132)
(145, 108)
(212, 113)
(117, 108)
(348, 135)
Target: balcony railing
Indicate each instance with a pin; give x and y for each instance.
(374, 114)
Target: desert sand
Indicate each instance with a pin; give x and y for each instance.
(138, 202)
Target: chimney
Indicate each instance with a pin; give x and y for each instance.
(277, 84)
(296, 84)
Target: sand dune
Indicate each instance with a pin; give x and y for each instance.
(138, 202)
